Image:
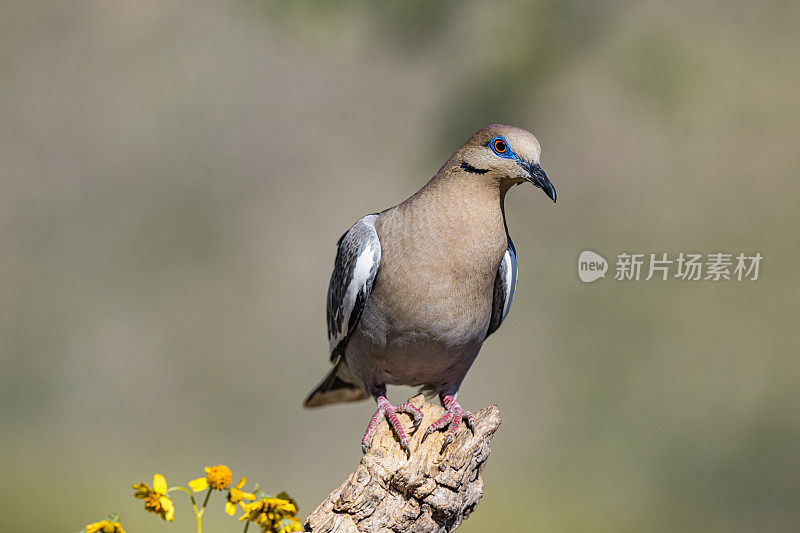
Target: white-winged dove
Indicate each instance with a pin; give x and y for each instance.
(416, 289)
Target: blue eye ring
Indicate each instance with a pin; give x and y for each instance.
(500, 147)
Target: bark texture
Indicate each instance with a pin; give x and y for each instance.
(434, 491)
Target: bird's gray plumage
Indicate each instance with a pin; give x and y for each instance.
(355, 269)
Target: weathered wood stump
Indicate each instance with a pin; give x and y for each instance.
(431, 492)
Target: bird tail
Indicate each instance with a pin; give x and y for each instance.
(335, 388)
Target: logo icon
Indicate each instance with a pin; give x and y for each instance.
(591, 266)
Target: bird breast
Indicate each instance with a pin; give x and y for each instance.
(439, 260)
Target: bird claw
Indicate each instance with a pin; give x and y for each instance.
(452, 416)
(412, 411)
(388, 411)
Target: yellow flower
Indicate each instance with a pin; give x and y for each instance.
(105, 526)
(217, 477)
(156, 499)
(273, 515)
(283, 495)
(236, 495)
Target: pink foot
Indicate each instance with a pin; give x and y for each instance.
(452, 416)
(385, 409)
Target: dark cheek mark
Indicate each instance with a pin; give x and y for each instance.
(469, 168)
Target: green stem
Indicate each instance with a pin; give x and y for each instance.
(246, 525)
(187, 491)
(208, 495)
(201, 511)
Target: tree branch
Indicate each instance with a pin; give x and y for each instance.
(429, 492)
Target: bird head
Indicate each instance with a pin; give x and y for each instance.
(505, 154)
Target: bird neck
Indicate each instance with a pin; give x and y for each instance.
(459, 186)
(463, 203)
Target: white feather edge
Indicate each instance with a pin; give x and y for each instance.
(364, 263)
(510, 266)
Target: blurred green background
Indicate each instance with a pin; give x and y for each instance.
(174, 176)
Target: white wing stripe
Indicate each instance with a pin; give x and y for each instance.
(505, 284)
(357, 259)
(511, 281)
(361, 274)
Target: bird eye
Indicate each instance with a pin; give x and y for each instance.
(500, 146)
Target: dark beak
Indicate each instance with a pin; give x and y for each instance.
(537, 176)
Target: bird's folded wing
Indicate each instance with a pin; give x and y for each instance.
(505, 284)
(357, 260)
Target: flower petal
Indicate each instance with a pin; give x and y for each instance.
(230, 509)
(241, 482)
(159, 484)
(198, 484)
(169, 508)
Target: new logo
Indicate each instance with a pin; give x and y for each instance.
(591, 266)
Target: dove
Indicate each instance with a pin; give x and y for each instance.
(417, 289)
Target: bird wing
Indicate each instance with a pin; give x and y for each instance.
(505, 284)
(357, 259)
